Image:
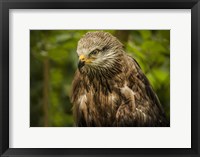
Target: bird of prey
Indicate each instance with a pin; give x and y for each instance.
(109, 88)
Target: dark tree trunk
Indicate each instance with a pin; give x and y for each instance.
(122, 35)
(46, 92)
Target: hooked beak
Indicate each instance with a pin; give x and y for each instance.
(81, 62)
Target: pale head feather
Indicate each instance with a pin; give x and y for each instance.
(110, 50)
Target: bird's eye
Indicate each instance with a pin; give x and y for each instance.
(94, 52)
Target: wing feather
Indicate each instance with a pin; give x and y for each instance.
(143, 107)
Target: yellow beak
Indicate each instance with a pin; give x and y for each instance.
(82, 58)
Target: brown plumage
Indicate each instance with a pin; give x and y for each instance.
(109, 88)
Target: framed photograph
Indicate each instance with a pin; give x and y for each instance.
(114, 78)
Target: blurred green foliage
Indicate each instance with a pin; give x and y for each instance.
(53, 61)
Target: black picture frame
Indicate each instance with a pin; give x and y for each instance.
(5, 5)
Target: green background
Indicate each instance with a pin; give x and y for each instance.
(53, 61)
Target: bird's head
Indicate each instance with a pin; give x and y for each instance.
(98, 52)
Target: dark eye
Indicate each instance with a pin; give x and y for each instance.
(94, 52)
(105, 48)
